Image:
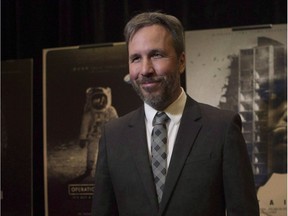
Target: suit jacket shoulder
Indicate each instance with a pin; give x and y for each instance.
(209, 114)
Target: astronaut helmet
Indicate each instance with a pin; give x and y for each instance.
(98, 98)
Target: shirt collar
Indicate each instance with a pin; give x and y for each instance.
(174, 110)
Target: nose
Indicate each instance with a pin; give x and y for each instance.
(147, 67)
(281, 118)
(284, 115)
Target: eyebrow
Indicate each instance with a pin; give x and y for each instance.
(149, 53)
(132, 56)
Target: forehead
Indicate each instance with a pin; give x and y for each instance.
(152, 31)
(154, 34)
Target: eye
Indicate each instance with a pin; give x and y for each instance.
(157, 55)
(134, 59)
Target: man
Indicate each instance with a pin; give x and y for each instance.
(205, 168)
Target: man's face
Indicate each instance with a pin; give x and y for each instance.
(278, 129)
(154, 66)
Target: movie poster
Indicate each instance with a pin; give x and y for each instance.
(84, 87)
(245, 69)
(16, 137)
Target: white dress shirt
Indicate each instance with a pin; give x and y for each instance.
(174, 112)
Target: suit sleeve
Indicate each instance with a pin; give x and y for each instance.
(104, 202)
(240, 192)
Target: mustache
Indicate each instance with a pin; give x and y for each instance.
(144, 80)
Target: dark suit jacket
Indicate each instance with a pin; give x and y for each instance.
(209, 171)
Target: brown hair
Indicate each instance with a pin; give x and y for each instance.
(171, 23)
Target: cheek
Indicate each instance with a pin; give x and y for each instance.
(133, 72)
(165, 68)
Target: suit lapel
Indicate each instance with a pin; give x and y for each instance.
(138, 146)
(187, 133)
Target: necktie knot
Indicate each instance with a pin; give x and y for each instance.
(160, 118)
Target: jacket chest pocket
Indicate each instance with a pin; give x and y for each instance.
(201, 168)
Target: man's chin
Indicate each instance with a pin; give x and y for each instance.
(150, 89)
(150, 95)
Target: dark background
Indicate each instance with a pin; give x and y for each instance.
(28, 26)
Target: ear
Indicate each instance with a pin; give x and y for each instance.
(182, 63)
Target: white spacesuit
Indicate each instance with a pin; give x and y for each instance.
(97, 111)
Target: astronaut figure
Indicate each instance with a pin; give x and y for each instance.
(97, 111)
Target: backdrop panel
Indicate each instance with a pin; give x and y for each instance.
(16, 137)
(245, 70)
(84, 87)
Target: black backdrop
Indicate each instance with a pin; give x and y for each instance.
(28, 26)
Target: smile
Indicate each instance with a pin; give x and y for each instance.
(150, 85)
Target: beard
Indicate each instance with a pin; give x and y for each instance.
(163, 97)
